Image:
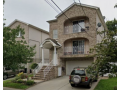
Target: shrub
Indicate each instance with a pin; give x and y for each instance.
(20, 81)
(31, 75)
(110, 76)
(30, 82)
(21, 76)
(17, 77)
(34, 65)
(24, 76)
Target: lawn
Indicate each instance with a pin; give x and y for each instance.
(107, 84)
(8, 83)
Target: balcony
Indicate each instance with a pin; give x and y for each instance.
(73, 29)
(74, 50)
(76, 47)
(77, 24)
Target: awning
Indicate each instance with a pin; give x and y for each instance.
(49, 43)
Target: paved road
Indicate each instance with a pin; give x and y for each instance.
(61, 83)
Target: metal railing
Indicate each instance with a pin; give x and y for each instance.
(74, 50)
(48, 68)
(39, 66)
(73, 29)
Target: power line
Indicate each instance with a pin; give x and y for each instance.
(52, 6)
(84, 11)
(66, 15)
(85, 15)
(63, 12)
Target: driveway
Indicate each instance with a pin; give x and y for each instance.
(61, 83)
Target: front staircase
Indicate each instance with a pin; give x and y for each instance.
(45, 73)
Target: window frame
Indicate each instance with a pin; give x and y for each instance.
(19, 34)
(55, 34)
(77, 26)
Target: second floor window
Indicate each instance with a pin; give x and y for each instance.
(55, 34)
(19, 34)
(78, 25)
(78, 47)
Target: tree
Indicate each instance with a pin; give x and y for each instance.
(106, 50)
(15, 52)
(112, 25)
(115, 6)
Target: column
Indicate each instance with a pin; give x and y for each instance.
(42, 56)
(54, 57)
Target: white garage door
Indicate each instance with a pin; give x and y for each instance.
(71, 64)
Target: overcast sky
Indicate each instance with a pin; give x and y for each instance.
(37, 12)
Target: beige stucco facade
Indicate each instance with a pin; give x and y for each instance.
(33, 36)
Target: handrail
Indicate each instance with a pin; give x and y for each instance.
(48, 68)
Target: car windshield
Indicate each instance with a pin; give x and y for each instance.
(78, 72)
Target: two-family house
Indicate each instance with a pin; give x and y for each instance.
(70, 40)
(33, 36)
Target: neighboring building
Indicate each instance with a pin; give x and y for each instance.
(69, 44)
(33, 36)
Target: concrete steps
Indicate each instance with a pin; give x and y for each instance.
(40, 75)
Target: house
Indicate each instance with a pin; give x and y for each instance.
(33, 36)
(70, 40)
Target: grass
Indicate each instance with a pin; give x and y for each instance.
(8, 83)
(106, 84)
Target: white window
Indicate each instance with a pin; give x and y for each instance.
(78, 25)
(55, 34)
(19, 34)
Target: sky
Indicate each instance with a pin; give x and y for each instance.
(37, 12)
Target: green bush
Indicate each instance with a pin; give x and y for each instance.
(23, 76)
(34, 65)
(30, 82)
(17, 77)
(31, 75)
(115, 88)
(110, 76)
(20, 81)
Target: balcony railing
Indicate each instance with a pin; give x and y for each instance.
(73, 29)
(74, 50)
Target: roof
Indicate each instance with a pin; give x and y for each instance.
(54, 41)
(84, 5)
(16, 20)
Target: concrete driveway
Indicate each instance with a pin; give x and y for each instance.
(61, 83)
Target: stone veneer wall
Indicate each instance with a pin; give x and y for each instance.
(75, 11)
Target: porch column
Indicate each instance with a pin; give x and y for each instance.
(55, 57)
(42, 56)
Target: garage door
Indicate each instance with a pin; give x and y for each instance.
(71, 64)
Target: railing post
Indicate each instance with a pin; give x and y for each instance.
(42, 56)
(55, 58)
